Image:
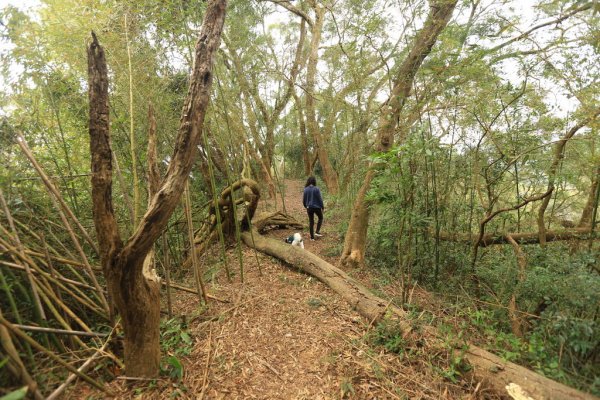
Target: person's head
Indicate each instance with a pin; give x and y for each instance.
(311, 181)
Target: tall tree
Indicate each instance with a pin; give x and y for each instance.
(440, 12)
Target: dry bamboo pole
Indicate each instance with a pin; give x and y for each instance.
(34, 235)
(197, 275)
(88, 267)
(59, 390)
(136, 190)
(218, 215)
(18, 332)
(59, 278)
(53, 285)
(37, 270)
(15, 311)
(192, 291)
(123, 187)
(20, 249)
(47, 293)
(17, 367)
(59, 318)
(60, 331)
(61, 260)
(53, 191)
(166, 264)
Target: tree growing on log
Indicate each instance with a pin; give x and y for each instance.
(439, 15)
(133, 289)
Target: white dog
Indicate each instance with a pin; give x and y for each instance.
(295, 240)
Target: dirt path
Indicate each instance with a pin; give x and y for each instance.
(284, 335)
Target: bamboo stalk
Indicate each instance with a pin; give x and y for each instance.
(61, 260)
(53, 191)
(167, 268)
(123, 187)
(59, 390)
(15, 311)
(88, 267)
(80, 297)
(47, 293)
(197, 275)
(20, 249)
(60, 331)
(189, 290)
(136, 191)
(217, 208)
(18, 332)
(18, 365)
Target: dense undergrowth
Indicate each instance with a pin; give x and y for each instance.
(557, 302)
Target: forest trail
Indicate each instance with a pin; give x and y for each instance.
(282, 335)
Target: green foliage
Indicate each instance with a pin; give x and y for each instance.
(174, 368)
(389, 335)
(16, 395)
(174, 338)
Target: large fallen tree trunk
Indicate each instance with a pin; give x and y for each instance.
(488, 367)
(367, 304)
(498, 374)
(521, 238)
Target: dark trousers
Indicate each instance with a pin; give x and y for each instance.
(311, 220)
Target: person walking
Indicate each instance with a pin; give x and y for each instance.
(313, 202)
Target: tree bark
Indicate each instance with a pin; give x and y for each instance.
(135, 290)
(499, 373)
(329, 174)
(490, 239)
(356, 236)
(588, 209)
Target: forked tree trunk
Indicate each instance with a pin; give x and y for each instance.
(134, 288)
(356, 236)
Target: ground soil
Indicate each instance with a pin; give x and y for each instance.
(281, 334)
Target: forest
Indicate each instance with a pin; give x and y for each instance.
(154, 158)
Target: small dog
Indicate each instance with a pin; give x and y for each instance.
(295, 240)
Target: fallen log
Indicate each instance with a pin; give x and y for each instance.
(358, 296)
(521, 238)
(488, 367)
(498, 374)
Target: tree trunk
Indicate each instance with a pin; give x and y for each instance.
(559, 153)
(499, 373)
(588, 210)
(356, 235)
(490, 239)
(303, 136)
(137, 297)
(329, 174)
(132, 284)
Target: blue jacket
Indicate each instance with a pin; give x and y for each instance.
(312, 197)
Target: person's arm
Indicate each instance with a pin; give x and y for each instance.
(304, 199)
(320, 198)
